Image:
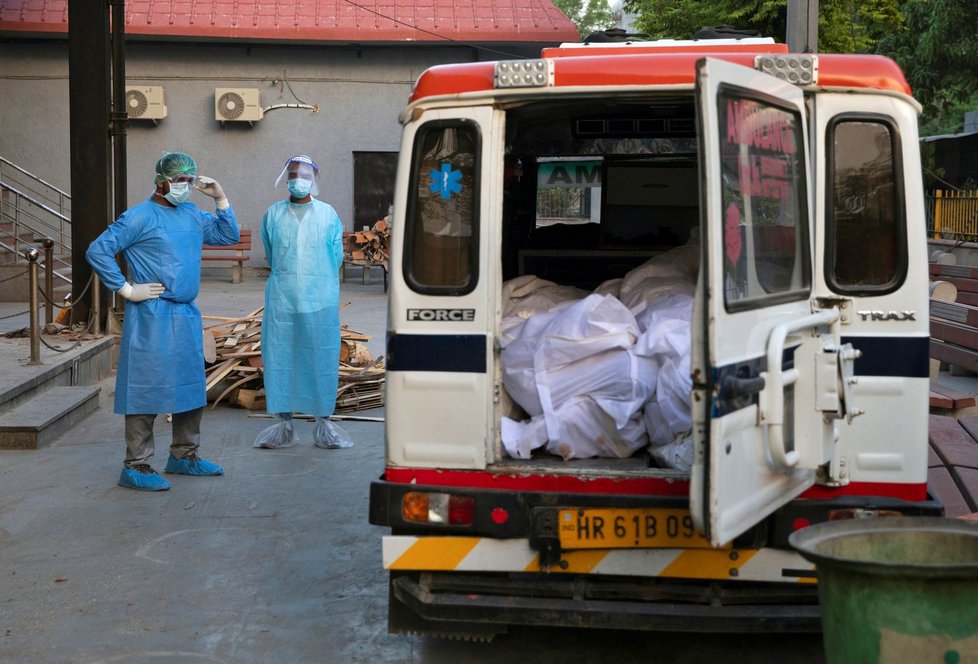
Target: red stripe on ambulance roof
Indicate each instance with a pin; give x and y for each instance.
(660, 68)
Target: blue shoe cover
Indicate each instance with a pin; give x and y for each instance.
(142, 478)
(192, 465)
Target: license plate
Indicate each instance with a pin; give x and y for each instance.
(628, 528)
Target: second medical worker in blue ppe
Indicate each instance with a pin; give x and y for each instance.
(161, 356)
(300, 334)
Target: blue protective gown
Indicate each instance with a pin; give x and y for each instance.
(161, 358)
(300, 333)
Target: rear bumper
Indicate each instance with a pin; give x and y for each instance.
(649, 605)
(532, 514)
(487, 555)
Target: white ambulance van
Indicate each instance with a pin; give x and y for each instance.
(653, 307)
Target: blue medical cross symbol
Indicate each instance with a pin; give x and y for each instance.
(446, 182)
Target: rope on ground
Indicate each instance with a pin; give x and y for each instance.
(60, 350)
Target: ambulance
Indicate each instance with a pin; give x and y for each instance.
(759, 215)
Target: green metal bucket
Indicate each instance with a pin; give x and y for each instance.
(896, 589)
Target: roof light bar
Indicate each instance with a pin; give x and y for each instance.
(523, 74)
(797, 68)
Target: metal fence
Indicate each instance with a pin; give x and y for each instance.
(952, 214)
(31, 208)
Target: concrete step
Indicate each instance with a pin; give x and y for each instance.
(26, 238)
(46, 416)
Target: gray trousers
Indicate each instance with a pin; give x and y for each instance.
(139, 436)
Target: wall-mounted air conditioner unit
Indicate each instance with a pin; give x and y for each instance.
(237, 104)
(145, 103)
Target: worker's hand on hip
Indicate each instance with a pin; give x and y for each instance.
(140, 292)
(211, 187)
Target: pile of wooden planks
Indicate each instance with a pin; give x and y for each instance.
(232, 355)
(233, 365)
(372, 246)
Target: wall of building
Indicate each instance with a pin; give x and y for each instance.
(359, 91)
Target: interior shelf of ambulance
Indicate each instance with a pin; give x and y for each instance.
(600, 254)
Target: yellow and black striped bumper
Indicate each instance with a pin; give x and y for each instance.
(480, 554)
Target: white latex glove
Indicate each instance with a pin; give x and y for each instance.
(140, 292)
(211, 187)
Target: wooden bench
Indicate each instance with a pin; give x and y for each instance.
(953, 332)
(944, 399)
(952, 473)
(954, 325)
(236, 255)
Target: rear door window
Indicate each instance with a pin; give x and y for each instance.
(866, 245)
(765, 227)
(442, 234)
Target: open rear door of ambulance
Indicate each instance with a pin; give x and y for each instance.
(757, 342)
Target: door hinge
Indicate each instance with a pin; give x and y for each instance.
(845, 306)
(835, 379)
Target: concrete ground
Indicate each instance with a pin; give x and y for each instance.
(273, 562)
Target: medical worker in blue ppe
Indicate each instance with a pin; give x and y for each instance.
(300, 335)
(161, 357)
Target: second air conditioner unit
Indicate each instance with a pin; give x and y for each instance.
(145, 102)
(237, 104)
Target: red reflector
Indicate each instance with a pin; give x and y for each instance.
(800, 522)
(499, 516)
(460, 510)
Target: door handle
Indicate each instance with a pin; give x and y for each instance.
(771, 399)
(735, 388)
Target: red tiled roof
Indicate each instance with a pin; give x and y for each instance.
(315, 20)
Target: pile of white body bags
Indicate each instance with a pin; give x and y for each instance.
(606, 373)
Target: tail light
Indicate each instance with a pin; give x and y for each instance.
(445, 508)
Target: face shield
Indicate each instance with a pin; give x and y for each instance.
(299, 167)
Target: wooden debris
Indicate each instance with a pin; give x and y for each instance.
(372, 247)
(234, 371)
(250, 399)
(210, 348)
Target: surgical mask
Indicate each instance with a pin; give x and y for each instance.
(179, 193)
(299, 187)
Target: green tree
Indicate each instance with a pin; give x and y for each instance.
(845, 26)
(587, 15)
(937, 50)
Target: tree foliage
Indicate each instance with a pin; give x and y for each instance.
(934, 41)
(845, 26)
(679, 19)
(587, 15)
(937, 51)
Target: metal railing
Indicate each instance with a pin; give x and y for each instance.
(31, 207)
(35, 187)
(952, 214)
(34, 288)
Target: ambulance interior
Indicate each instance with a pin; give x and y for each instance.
(600, 254)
